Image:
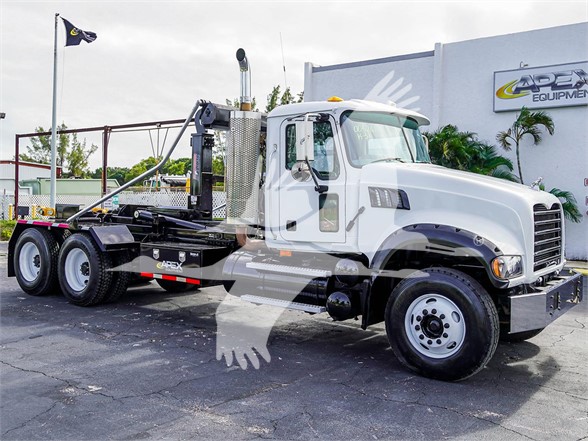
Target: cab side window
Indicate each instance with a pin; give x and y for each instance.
(325, 164)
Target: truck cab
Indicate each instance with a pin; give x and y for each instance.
(347, 136)
(378, 181)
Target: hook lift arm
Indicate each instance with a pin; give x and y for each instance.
(196, 110)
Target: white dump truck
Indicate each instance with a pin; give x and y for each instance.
(332, 207)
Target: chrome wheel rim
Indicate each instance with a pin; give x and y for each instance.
(435, 326)
(77, 269)
(29, 262)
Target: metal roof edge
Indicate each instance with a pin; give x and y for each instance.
(374, 61)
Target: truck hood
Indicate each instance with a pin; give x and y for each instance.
(438, 179)
(497, 210)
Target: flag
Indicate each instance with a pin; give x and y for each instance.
(74, 35)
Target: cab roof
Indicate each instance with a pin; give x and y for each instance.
(341, 106)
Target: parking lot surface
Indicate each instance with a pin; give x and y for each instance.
(146, 368)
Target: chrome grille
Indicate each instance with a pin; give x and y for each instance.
(548, 231)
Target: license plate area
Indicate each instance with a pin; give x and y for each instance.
(536, 310)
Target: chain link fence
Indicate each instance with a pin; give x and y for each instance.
(158, 199)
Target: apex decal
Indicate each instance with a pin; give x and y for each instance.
(170, 265)
(549, 86)
(567, 83)
(506, 92)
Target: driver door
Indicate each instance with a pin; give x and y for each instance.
(305, 215)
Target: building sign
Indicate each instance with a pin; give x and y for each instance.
(561, 85)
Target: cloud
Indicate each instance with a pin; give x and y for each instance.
(153, 59)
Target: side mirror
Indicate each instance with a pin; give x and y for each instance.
(304, 140)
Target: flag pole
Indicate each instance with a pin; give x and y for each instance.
(53, 123)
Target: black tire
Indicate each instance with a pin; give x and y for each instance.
(176, 287)
(120, 279)
(518, 336)
(64, 235)
(83, 271)
(35, 262)
(458, 323)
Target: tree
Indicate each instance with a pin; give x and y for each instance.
(179, 166)
(463, 151)
(274, 99)
(141, 167)
(568, 203)
(451, 148)
(530, 123)
(117, 173)
(219, 153)
(77, 158)
(487, 161)
(526, 123)
(236, 104)
(218, 166)
(71, 154)
(40, 148)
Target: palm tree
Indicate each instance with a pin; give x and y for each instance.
(463, 151)
(451, 148)
(568, 203)
(487, 161)
(526, 123)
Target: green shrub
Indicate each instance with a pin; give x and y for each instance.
(6, 227)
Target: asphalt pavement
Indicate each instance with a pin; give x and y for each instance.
(146, 368)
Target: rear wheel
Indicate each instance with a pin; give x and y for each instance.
(442, 324)
(83, 271)
(176, 287)
(120, 279)
(35, 262)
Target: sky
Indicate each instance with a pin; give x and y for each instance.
(153, 59)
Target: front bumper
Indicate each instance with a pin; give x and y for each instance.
(538, 309)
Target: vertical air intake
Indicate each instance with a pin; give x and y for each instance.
(242, 159)
(242, 167)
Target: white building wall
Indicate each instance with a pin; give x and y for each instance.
(404, 80)
(455, 86)
(25, 173)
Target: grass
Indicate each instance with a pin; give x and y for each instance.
(6, 227)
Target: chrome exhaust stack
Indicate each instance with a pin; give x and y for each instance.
(245, 99)
(243, 161)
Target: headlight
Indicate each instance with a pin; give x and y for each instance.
(507, 267)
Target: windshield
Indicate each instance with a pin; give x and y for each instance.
(374, 136)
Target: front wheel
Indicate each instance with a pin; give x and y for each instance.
(442, 324)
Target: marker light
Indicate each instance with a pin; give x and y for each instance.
(334, 99)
